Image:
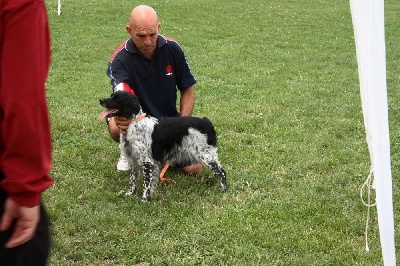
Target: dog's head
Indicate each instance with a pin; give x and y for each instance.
(121, 103)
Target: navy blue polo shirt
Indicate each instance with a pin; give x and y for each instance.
(154, 81)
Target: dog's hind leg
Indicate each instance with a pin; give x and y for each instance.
(134, 173)
(218, 171)
(148, 180)
(208, 156)
(211, 161)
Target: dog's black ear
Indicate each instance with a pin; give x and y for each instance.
(129, 104)
(135, 107)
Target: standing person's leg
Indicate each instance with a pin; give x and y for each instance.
(35, 251)
(25, 51)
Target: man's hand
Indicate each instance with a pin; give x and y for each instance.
(26, 219)
(122, 123)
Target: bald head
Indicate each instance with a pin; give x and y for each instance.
(143, 17)
(143, 28)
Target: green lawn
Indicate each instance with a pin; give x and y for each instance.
(279, 81)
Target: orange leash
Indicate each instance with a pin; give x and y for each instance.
(162, 178)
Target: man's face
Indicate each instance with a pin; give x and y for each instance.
(145, 38)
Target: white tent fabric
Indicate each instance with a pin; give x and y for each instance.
(369, 32)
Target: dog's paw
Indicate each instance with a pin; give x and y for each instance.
(146, 199)
(224, 188)
(128, 193)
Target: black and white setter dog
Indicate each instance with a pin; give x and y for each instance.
(151, 143)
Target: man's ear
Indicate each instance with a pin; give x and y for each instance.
(128, 29)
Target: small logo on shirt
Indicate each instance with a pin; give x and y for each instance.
(168, 70)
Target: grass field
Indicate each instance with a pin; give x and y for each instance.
(279, 80)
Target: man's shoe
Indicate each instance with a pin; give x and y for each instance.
(123, 164)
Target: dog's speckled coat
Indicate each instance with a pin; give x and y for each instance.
(150, 143)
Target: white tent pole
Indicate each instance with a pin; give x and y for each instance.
(59, 7)
(369, 33)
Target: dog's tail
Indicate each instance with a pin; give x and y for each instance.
(211, 134)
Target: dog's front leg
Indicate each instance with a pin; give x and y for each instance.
(132, 180)
(148, 169)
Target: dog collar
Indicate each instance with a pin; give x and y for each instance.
(140, 117)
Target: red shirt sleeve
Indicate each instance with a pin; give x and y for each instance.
(25, 142)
